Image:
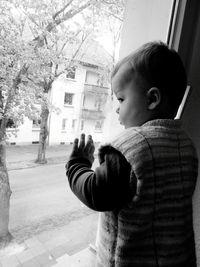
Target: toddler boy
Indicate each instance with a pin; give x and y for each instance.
(147, 175)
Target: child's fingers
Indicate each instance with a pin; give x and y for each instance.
(90, 146)
(82, 141)
(90, 138)
(89, 142)
(91, 149)
(75, 146)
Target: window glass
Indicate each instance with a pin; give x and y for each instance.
(71, 72)
(36, 123)
(92, 77)
(64, 124)
(98, 104)
(58, 54)
(68, 100)
(10, 124)
(82, 125)
(99, 126)
(73, 124)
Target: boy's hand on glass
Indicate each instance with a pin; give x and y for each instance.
(82, 150)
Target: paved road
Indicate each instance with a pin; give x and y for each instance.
(42, 200)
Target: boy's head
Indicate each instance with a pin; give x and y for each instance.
(149, 84)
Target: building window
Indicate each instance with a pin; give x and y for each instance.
(68, 100)
(36, 124)
(64, 124)
(92, 77)
(99, 126)
(73, 124)
(71, 73)
(83, 100)
(98, 104)
(82, 124)
(10, 124)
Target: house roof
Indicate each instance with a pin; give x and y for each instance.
(90, 52)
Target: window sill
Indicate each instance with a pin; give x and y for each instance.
(70, 79)
(12, 130)
(68, 106)
(35, 129)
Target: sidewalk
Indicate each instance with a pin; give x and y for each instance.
(20, 157)
(56, 247)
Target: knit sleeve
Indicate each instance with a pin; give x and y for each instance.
(106, 188)
(134, 146)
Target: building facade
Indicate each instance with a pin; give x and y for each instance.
(83, 102)
(79, 101)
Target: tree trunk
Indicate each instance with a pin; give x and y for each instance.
(5, 193)
(8, 245)
(41, 158)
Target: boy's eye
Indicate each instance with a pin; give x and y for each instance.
(120, 100)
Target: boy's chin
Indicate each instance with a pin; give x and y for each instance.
(121, 124)
(124, 125)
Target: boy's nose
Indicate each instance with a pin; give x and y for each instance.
(117, 110)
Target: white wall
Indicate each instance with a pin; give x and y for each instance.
(25, 133)
(144, 21)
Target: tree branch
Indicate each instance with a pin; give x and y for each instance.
(65, 43)
(56, 69)
(59, 73)
(115, 16)
(71, 13)
(16, 83)
(109, 3)
(84, 37)
(51, 25)
(80, 45)
(62, 10)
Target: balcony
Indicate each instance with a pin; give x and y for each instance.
(90, 114)
(95, 89)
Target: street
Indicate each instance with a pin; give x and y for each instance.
(41, 200)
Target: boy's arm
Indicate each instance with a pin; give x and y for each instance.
(104, 189)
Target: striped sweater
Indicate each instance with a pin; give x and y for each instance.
(155, 229)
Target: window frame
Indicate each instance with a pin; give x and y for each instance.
(82, 125)
(72, 99)
(36, 126)
(73, 125)
(99, 129)
(71, 71)
(64, 123)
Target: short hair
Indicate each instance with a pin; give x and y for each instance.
(154, 64)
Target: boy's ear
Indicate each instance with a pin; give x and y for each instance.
(153, 98)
